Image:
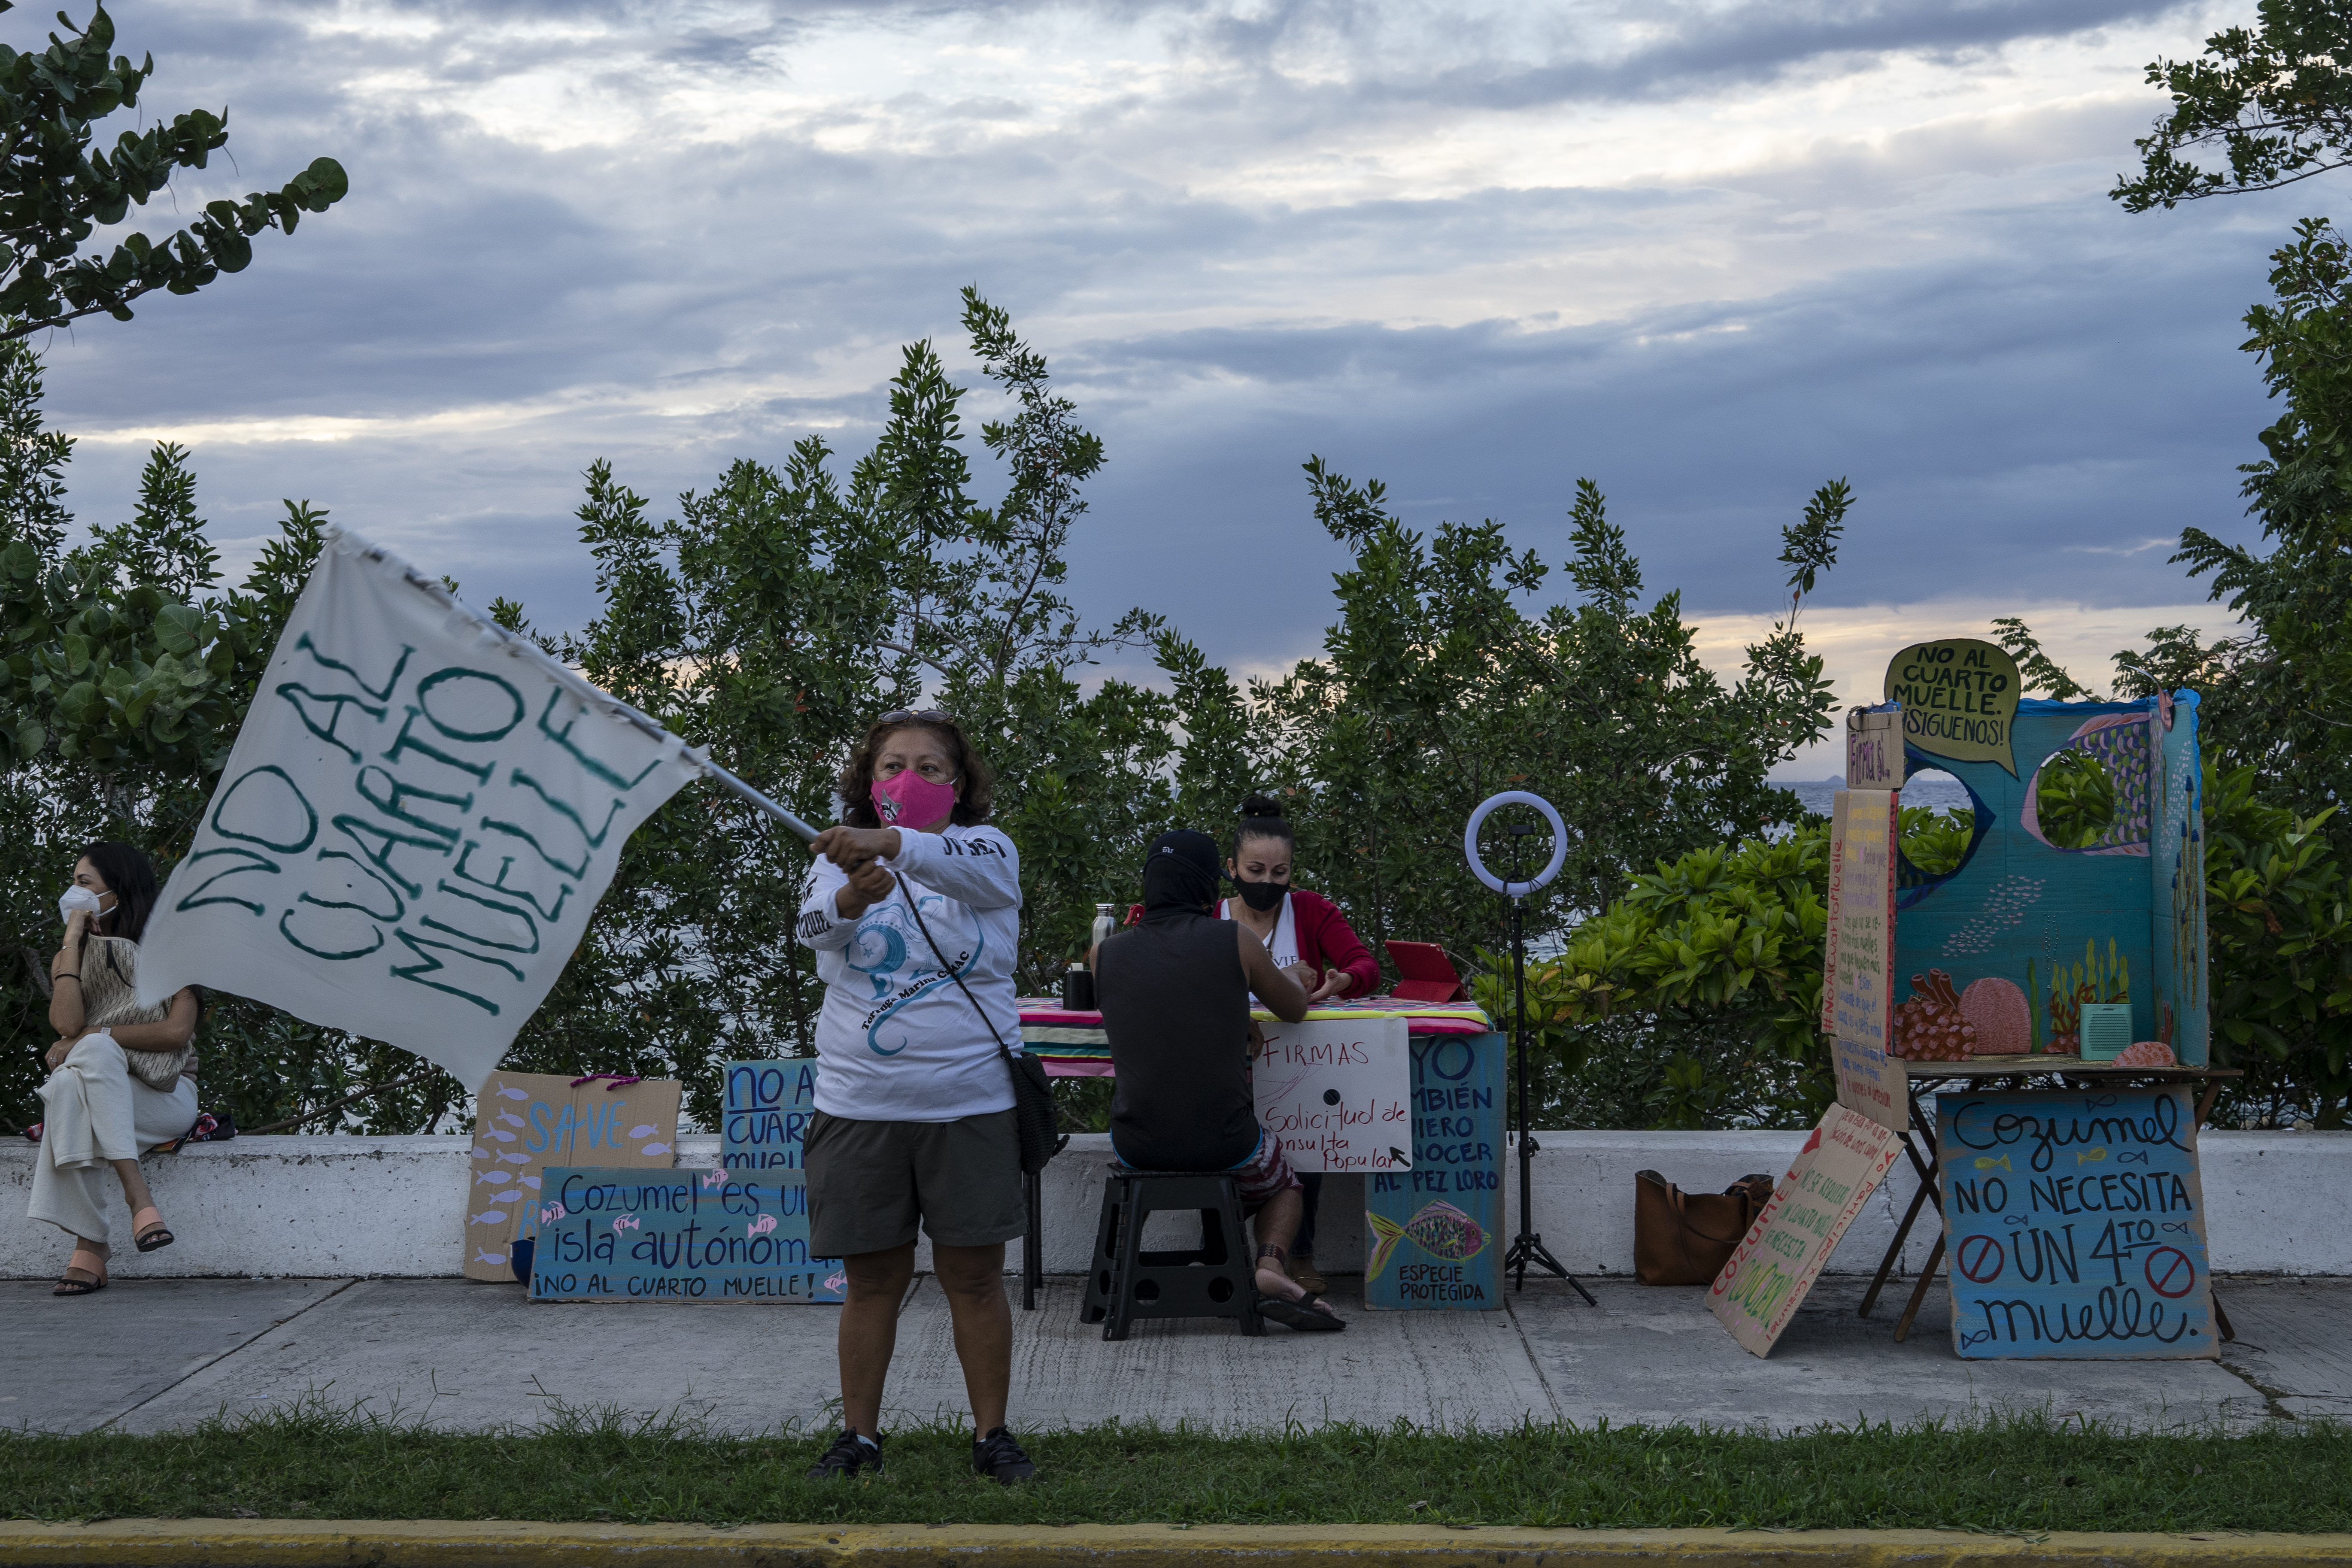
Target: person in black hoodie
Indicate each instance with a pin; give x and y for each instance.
(1175, 998)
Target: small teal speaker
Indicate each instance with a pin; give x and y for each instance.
(2106, 1030)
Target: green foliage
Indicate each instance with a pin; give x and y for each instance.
(2279, 909)
(1436, 689)
(2273, 102)
(57, 188)
(2075, 800)
(1714, 960)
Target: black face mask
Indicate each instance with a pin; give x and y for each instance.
(1260, 895)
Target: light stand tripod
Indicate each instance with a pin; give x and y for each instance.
(1527, 1247)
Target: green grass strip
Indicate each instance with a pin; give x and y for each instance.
(2027, 1474)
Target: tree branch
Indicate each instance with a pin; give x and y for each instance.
(338, 1105)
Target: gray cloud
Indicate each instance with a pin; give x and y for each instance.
(2023, 385)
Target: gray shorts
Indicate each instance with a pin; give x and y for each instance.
(869, 1182)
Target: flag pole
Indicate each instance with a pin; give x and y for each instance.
(522, 647)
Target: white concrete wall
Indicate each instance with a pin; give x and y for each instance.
(2276, 1201)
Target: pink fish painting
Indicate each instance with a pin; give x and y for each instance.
(836, 1281)
(760, 1227)
(713, 1178)
(550, 1213)
(626, 1222)
(1440, 1229)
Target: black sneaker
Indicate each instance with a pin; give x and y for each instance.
(848, 1455)
(998, 1455)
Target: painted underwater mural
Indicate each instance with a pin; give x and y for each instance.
(1997, 954)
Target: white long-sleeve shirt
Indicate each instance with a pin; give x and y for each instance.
(896, 1039)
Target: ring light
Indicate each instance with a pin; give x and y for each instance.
(1551, 867)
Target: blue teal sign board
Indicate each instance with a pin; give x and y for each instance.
(677, 1235)
(2075, 1225)
(764, 1114)
(1434, 1232)
(1999, 955)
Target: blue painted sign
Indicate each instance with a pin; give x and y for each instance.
(765, 1114)
(1434, 1232)
(1999, 955)
(678, 1235)
(2075, 1224)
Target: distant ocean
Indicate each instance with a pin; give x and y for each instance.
(1939, 792)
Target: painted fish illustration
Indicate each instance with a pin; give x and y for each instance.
(510, 1092)
(514, 1159)
(511, 1118)
(2092, 1156)
(2000, 1164)
(713, 1177)
(626, 1222)
(655, 1148)
(835, 1281)
(491, 1216)
(1441, 1230)
(491, 1258)
(642, 1130)
(480, 1153)
(760, 1227)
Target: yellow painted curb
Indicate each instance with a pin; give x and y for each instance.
(436, 1543)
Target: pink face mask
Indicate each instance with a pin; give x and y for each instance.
(911, 800)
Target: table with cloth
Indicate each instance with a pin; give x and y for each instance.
(1457, 1070)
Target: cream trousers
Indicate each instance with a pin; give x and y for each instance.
(98, 1113)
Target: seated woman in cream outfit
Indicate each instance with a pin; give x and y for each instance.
(123, 1077)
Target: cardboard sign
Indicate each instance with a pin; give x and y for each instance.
(1872, 1083)
(526, 1122)
(1434, 1234)
(1960, 697)
(1782, 1253)
(1858, 979)
(764, 1113)
(1874, 748)
(2075, 1225)
(1337, 1092)
(686, 1235)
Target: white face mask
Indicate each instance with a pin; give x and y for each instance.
(76, 898)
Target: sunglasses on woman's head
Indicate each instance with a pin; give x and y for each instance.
(924, 715)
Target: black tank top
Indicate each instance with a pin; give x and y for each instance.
(1176, 1010)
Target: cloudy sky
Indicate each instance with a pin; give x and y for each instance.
(1709, 253)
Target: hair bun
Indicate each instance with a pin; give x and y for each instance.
(1261, 805)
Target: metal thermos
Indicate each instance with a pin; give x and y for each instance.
(1106, 922)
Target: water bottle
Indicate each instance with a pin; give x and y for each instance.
(1106, 922)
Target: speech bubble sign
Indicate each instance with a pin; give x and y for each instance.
(1960, 699)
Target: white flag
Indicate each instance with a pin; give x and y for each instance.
(417, 821)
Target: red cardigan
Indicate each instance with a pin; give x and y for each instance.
(1326, 940)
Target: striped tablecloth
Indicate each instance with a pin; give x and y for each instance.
(1073, 1045)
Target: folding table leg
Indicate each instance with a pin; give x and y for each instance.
(1920, 1292)
(2221, 1321)
(1893, 1251)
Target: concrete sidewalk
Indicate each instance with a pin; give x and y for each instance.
(460, 1355)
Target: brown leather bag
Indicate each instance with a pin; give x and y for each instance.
(1686, 1238)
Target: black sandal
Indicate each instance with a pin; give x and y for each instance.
(68, 1286)
(155, 1237)
(1313, 1315)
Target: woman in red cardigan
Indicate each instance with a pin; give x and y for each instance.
(1298, 926)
